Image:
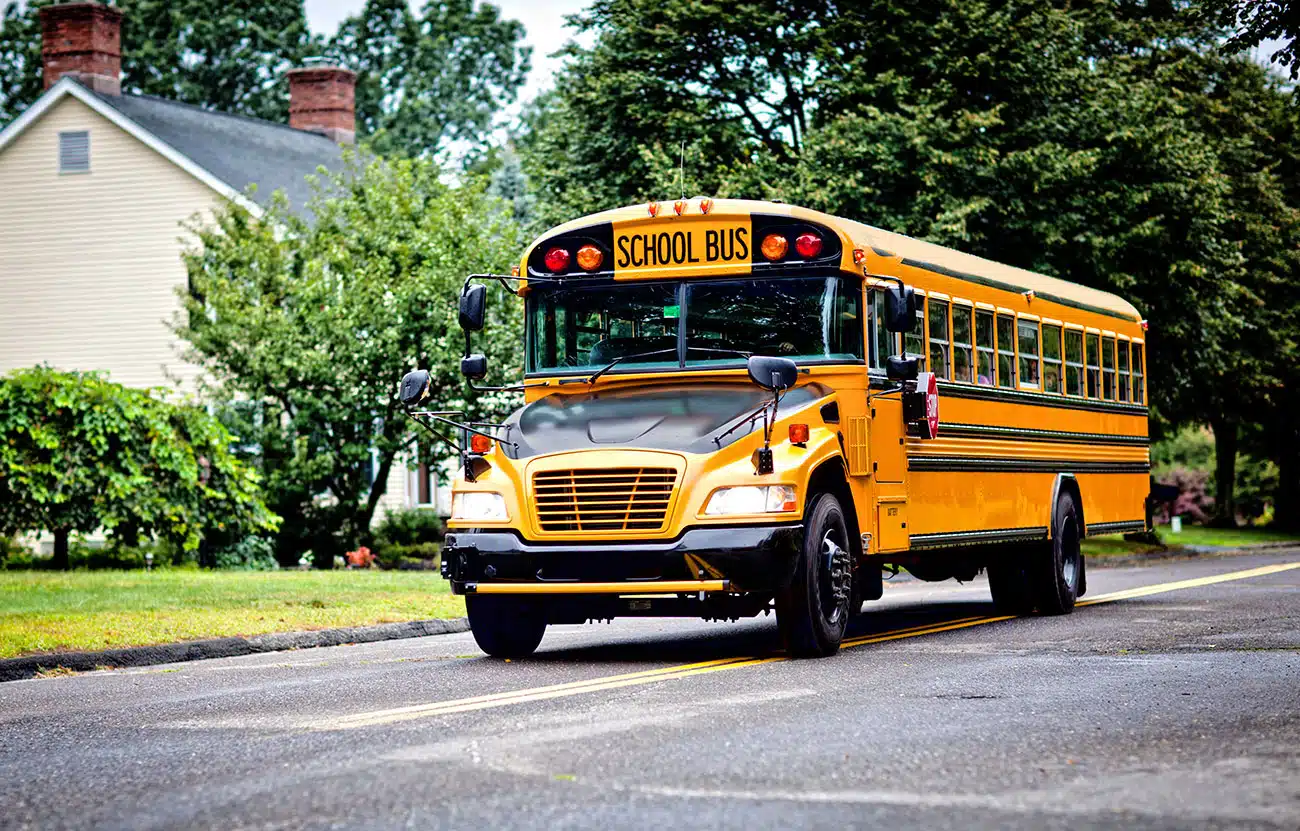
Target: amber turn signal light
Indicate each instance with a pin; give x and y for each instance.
(479, 443)
(590, 257)
(798, 433)
(774, 246)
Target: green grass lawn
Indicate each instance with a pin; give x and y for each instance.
(1193, 535)
(52, 611)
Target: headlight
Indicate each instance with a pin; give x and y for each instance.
(751, 499)
(478, 506)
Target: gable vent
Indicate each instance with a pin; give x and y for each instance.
(74, 152)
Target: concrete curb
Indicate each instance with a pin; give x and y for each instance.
(14, 669)
(1188, 552)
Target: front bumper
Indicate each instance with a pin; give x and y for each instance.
(746, 558)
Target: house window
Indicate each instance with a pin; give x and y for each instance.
(939, 338)
(984, 347)
(74, 151)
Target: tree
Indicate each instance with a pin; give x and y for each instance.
(1255, 21)
(78, 453)
(312, 325)
(430, 80)
(227, 56)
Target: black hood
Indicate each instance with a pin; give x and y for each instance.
(667, 417)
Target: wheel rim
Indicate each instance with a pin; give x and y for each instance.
(836, 579)
(1070, 556)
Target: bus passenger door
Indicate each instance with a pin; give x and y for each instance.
(889, 468)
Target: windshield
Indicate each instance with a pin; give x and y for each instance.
(585, 327)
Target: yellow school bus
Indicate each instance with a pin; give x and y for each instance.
(737, 406)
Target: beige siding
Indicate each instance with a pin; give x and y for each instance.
(89, 262)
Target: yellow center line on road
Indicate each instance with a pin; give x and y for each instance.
(653, 676)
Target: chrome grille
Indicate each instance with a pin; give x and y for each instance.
(603, 499)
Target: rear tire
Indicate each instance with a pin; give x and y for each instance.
(813, 611)
(1056, 569)
(506, 627)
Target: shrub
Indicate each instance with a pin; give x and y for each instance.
(412, 526)
(419, 556)
(1194, 503)
(252, 553)
(361, 558)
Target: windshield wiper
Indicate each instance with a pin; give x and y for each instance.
(591, 379)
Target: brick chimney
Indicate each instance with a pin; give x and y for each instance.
(83, 40)
(322, 99)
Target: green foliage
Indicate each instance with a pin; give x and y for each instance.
(252, 553)
(428, 79)
(78, 453)
(229, 55)
(412, 526)
(313, 325)
(1255, 21)
(1191, 447)
(420, 557)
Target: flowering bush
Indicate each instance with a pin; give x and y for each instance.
(361, 558)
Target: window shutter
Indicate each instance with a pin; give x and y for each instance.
(74, 152)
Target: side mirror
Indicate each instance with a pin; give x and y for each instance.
(772, 373)
(415, 387)
(900, 309)
(902, 369)
(474, 367)
(473, 303)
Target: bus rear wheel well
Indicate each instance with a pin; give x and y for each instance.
(1070, 485)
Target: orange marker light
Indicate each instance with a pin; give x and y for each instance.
(653, 208)
(679, 207)
(514, 271)
(798, 433)
(479, 444)
(590, 257)
(706, 205)
(774, 246)
(1144, 325)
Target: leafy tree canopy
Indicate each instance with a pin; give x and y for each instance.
(78, 453)
(1255, 21)
(313, 324)
(430, 79)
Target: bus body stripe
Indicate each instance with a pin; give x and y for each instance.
(995, 464)
(1030, 434)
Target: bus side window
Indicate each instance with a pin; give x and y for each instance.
(1123, 370)
(939, 338)
(1006, 351)
(961, 343)
(1051, 358)
(1139, 382)
(882, 340)
(1108, 368)
(984, 348)
(914, 341)
(1028, 353)
(1073, 362)
(1094, 365)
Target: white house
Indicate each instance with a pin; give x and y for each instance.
(95, 188)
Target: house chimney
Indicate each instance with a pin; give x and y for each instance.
(83, 40)
(322, 99)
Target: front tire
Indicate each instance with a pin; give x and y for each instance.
(506, 627)
(813, 611)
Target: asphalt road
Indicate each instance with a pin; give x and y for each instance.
(1173, 706)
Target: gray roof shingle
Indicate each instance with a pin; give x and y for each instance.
(236, 149)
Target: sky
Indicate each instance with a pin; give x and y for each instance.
(543, 21)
